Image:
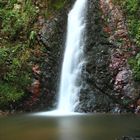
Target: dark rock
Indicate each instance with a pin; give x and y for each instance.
(52, 37)
(96, 84)
(107, 81)
(129, 138)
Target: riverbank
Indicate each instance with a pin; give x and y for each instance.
(6, 113)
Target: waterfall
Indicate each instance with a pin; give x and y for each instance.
(72, 62)
(73, 58)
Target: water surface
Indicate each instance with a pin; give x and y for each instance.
(77, 127)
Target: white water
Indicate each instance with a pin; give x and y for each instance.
(72, 62)
(73, 58)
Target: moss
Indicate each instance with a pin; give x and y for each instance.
(54, 6)
(59, 4)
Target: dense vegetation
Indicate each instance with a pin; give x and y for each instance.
(131, 9)
(18, 32)
(16, 18)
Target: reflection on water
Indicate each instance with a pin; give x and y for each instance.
(85, 127)
(56, 113)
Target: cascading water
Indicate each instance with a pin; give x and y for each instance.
(72, 62)
(73, 58)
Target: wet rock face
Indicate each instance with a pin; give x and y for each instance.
(107, 82)
(52, 37)
(123, 83)
(96, 76)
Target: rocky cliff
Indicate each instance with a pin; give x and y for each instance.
(107, 81)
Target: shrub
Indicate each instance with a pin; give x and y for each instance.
(9, 94)
(17, 18)
(135, 65)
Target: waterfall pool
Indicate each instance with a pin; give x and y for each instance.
(77, 127)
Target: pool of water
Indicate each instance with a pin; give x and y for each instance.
(77, 127)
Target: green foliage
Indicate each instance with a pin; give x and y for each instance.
(59, 4)
(18, 37)
(132, 6)
(15, 73)
(56, 4)
(32, 38)
(131, 10)
(12, 24)
(135, 65)
(32, 35)
(9, 94)
(16, 17)
(15, 59)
